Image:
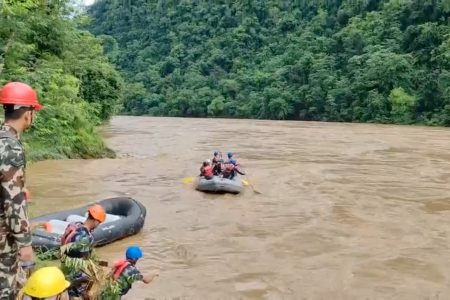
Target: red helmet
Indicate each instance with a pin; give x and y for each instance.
(19, 93)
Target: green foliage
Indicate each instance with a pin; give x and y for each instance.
(402, 105)
(42, 46)
(349, 60)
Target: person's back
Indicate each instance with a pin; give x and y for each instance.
(215, 157)
(231, 167)
(206, 170)
(79, 239)
(217, 163)
(228, 170)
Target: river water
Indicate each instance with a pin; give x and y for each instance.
(346, 211)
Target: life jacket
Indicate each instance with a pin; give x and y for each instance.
(70, 232)
(119, 267)
(228, 167)
(207, 171)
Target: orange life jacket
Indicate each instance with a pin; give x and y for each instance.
(229, 167)
(119, 267)
(207, 171)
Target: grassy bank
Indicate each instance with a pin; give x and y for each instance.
(85, 146)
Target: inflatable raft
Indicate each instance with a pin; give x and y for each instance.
(220, 185)
(124, 217)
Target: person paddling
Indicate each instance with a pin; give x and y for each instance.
(231, 167)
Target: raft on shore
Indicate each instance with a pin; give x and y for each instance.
(220, 185)
(124, 217)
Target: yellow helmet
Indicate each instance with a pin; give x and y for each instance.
(46, 282)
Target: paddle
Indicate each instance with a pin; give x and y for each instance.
(188, 179)
(246, 183)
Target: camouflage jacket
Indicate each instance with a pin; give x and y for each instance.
(14, 224)
(129, 275)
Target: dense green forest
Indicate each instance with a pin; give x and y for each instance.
(40, 44)
(332, 60)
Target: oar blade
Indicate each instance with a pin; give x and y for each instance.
(188, 180)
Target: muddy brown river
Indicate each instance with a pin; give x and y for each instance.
(346, 211)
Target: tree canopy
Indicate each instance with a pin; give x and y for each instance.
(41, 44)
(339, 60)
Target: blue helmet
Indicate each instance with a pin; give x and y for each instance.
(230, 154)
(133, 253)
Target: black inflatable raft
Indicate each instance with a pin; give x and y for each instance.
(124, 217)
(220, 185)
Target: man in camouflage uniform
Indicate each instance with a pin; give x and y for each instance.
(19, 102)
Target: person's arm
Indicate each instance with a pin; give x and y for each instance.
(133, 274)
(15, 204)
(238, 169)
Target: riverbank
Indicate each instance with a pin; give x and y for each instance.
(75, 145)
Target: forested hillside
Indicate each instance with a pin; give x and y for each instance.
(40, 44)
(340, 60)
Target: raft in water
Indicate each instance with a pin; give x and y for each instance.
(124, 217)
(220, 185)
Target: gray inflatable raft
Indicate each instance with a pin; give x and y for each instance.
(124, 217)
(220, 185)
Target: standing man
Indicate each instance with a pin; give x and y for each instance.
(19, 101)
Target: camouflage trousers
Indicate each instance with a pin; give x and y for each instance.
(8, 275)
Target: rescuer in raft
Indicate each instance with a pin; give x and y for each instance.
(206, 170)
(217, 162)
(231, 167)
(125, 272)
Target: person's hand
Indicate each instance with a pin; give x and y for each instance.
(149, 278)
(26, 254)
(27, 195)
